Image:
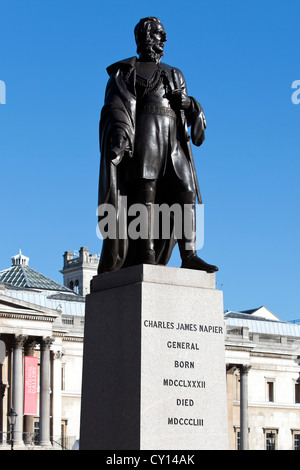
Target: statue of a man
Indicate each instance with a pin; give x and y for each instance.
(145, 152)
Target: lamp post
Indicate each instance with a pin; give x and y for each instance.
(12, 415)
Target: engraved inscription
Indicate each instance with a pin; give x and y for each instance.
(185, 345)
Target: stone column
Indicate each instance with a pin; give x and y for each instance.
(244, 369)
(2, 386)
(56, 394)
(18, 387)
(2, 393)
(28, 419)
(45, 392)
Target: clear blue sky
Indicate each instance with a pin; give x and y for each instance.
(239, 60)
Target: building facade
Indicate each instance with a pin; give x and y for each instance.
(263, 381)
(42, 319)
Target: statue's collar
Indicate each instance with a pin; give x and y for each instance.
(122, 63)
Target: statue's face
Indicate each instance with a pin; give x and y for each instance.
(153, 47)
(159, 37)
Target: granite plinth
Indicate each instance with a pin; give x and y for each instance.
(154, 373)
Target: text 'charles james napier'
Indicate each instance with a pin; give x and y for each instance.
(183, 326)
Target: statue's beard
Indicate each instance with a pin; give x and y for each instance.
(150, 52)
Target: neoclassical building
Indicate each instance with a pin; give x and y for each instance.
(44, 320)
(263, 381)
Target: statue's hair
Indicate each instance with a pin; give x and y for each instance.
(142, 30)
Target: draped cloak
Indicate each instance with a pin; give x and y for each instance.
(118, 115)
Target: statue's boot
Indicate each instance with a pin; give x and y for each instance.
(194, 262)
(148, 256)
(187, 244)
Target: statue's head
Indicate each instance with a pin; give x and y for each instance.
(150, 37)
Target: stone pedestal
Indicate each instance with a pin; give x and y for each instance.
(154, 374)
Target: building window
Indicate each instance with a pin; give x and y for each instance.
(296, 439)
(238, 440)
(76, 287)
(63, 376)
(68, 320)
(64, 434)
(237, 387)
(270, 391)
(237, 437)
(297, 393)
(36, 432)
(71, 285)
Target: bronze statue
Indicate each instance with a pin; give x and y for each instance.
(146, 154)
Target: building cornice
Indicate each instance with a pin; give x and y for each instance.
(65, 335)
(32, 316)
(238, 348)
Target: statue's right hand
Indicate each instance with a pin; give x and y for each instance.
(118, 141)
(118, 146)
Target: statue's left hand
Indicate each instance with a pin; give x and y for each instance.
(180, 100)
